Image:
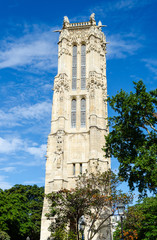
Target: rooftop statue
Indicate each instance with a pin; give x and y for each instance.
(92, 17)
(66, 19)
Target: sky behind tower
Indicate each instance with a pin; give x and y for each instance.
(28, 65)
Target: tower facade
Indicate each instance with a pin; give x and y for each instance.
(79, 109)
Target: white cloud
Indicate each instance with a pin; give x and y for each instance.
(128, 4)
(17, 115)
(118, 5)
(8, 169)
(10, 145)
(40, 181)
(125, 4)
(151, 64)
(120, 46)
(3, 183)
(35, 51)
(37, 151)
(36, 111)
(16, 145)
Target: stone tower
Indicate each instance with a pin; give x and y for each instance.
(79, 111)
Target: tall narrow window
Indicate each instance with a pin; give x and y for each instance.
(80, 168)
(73, 113)
(83, 67)
(83, 112)
(73, 168)
(74, 68)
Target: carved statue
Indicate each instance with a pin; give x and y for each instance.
(59, 148)
(66, 19)
(92, 17)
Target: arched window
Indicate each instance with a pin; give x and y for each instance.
(74, 68)
(73, 113)
(83, 112)
(83, 67)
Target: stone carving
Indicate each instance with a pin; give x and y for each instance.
(61, 83)
(64, 34)
(64, 51)
(92, 17)
(96, 32)
(104, 93)
(65, 22)
(59, 148)
(66, 19)
(79, 36)
(96, 81)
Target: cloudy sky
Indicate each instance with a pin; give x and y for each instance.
(28, 64)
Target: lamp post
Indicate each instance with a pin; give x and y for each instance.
(82, 227)
(121, 209)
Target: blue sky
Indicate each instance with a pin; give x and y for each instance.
(28, 64)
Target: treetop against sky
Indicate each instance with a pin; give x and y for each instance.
(28, 65)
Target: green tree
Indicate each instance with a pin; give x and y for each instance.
(4, 236)
(95, 197)
(141, 219)
(20, 211)
(133, 137)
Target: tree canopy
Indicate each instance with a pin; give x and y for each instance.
(95, 198)
(140, 221)
(133, 137)
(20, 211)
(4, 236)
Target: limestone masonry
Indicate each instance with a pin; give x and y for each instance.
(79, 111)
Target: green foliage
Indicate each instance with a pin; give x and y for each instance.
(20, 211)
(148, 230)
(62, 234)
(95, 197)
(142, 219)
(4, 236)
(133, 139)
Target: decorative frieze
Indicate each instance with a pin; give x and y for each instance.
(59, 148)
(81, 35)
(61, 83)
(64, 51)
(64, 34)
(96, 81)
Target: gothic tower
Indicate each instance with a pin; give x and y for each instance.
(79, 111)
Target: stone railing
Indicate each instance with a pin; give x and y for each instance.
(81, 24)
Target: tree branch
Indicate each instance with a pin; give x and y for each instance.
(150, 124)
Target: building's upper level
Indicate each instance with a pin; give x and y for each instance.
(78, 39)
(91, 22)
(80, 85)
(88, 28)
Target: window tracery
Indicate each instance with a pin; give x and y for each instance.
(74, 68)
(73, 113)
(83, 67)
(83, 112)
